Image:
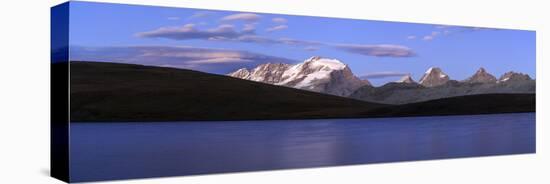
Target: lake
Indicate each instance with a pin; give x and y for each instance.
(106, 151)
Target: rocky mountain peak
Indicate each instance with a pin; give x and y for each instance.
(242, 73)
(513, 76)
(434, 76)
(267, 72)
(481, 76)
(406, 79)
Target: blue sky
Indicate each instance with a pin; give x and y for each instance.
(223, 41)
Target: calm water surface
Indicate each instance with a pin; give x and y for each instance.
(103, 151)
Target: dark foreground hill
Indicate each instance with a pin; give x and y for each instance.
(470, 104)
(109, 92)
(124, 92)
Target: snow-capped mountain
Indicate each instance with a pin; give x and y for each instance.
(481, 76)
(268, 73)
(406, 79)
(317, 74)
(242, 73)
(513, 77)
(434, 77)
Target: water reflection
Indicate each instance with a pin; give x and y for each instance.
(103, 151)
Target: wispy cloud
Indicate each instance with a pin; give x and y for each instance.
(441, 26)
(188, 31)
(296, 42)
(173, 18)
(311, 48)
(220, 61)
(446, 30)
(431, 36)
(249, 28)
(250, 17)
(465, 28)
(199, 14)
(383, 50)
(387, 74)
(411, 37)
(256, 39)
(277, 28)
(228, 33)
(203, 59)
(224, 32)
(279, 20)
(469, 29)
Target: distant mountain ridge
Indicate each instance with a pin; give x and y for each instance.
(331, 76)
(436, 85)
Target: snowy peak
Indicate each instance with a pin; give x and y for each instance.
(242, 73)
(513, 76)
(314, 68)
(269, 72)
(434, 77)
(327, 63)
(406, 79)
(481, 76)
(323, 75)
(317, 74)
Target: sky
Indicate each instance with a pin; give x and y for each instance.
(223, 41)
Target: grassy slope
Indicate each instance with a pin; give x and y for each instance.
(123, 92)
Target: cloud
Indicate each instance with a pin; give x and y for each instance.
(383, 50)
(446, 30)
(188, 31)
(431, 36)
(471, 29)
(378, 75)
(224, 32)
(428, 38)
(211, 60)
(311, 48)
(464, 28)
(256, 39)
(441, 26)
(199, 14)
(277, 28)
(173, 18)
(290, 41)
(249, 28)
(279, 20)
(250, 17)
(267, 40)
(220, 60)
(228, 33)
(411, 37)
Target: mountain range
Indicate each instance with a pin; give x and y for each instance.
(331, 76)
(115, 92)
